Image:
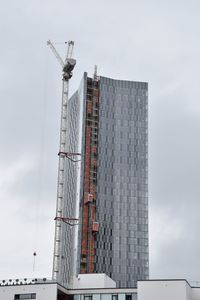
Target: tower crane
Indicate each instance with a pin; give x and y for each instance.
(69, 63)
(67, 67)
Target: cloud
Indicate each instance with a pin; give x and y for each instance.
(152, 41)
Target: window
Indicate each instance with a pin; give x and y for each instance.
(129, 297)
(25, 296)
(114, 297)
(88, 297)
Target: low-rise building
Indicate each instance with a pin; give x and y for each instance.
(170, 289)
(97, 287)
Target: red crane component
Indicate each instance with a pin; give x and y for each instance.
(70, 155)
(95, 227)
(68, 221)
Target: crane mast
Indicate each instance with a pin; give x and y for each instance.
(67, 67)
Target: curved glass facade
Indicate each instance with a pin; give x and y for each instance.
(122, 182)
(108, 124)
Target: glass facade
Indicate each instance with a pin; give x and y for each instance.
(106, 296)
(122, 182)
(121, 195)
(69, 237)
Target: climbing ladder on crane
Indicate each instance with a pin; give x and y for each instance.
(67, 67)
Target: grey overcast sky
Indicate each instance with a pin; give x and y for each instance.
(155, 41)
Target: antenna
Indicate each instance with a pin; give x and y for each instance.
(95, 73)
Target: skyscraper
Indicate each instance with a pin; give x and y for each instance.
(107, 190)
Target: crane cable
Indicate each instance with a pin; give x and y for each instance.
(41, 150)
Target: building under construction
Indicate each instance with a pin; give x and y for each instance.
(106, 187)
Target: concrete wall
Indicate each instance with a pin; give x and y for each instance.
(84, 281)
(195, 293)
(102, 284)
(188, 292)
(164, 290)
(108, 282)
(43, 291)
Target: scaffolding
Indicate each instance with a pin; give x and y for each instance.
(90, 226)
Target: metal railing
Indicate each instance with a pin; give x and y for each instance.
(24, 281)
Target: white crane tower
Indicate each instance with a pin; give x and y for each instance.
(67, 67)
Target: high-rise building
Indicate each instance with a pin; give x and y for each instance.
(107, 190)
